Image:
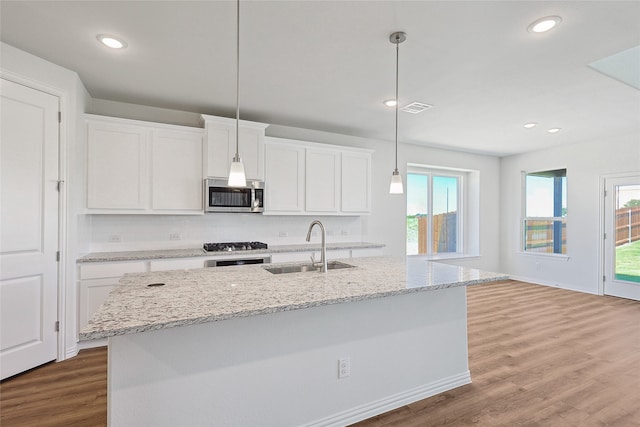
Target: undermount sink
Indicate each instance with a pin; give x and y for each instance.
(300, 268)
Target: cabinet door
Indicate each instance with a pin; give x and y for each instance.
(284, 178)
(356, 182)
(92, 294)
(251, 152)
(221, 147)
(117, 175)
(176, 170)
(322, 176)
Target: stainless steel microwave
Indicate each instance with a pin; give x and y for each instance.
(219, 197)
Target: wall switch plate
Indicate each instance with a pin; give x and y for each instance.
(175, 236)
(114, 238)
(283, 234)
(344, 367)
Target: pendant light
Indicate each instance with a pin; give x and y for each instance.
(396, 179)
(236, 171)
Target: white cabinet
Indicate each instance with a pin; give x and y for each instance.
(116, 168)
(356, 182)
(176, 171)
(97, 280)
(304, 178)
(221, 146)
(322, 180)
(284, 177)
(143, 167)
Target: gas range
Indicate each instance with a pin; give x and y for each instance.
(233, 246)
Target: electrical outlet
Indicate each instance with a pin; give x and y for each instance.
(538, 266)
(283, 234)
(175, 236)
(114, 238)
(345, 233)
(344, 367)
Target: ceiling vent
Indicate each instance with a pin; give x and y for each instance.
(415, 107)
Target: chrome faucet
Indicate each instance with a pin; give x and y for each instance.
(323, 254)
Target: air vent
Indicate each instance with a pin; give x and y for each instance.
(415, 107)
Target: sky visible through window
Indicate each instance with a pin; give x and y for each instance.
(445, 194)
(540, 196)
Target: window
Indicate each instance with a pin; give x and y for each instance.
(545, 218)
(434, 214)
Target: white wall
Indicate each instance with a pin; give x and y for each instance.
(40, 74)
(585, 164)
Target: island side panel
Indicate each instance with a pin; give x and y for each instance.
(282, 368)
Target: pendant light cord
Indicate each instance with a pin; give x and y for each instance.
(237, 78)
(397, 101)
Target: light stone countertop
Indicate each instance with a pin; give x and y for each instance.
(214, 294)
(199, 252)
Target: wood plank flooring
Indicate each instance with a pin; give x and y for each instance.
(539, 356)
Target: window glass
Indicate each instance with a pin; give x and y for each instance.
(433, 220)
(545, 212)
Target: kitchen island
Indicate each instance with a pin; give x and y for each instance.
(242, 346)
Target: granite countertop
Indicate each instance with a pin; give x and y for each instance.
(199, 252)
(214, 294)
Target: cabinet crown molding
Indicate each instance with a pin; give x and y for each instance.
(228, 121)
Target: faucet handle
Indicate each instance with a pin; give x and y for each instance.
(313, 260)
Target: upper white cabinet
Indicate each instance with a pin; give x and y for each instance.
(176, 170)
(117, 165)
(322, 180)
(304, 178)
(284, 177)
(143, 167)
(356, 182)
(221, 146)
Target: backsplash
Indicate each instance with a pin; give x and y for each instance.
(147, 232)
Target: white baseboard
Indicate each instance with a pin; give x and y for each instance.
(70, 352)
(550, 284)
(381, 406)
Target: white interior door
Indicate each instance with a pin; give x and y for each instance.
(29, 228)
(622, 243)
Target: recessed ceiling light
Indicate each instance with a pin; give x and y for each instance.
(390, 102)
(554, 130)
(530, 125)
(111, 41)
(544, 24)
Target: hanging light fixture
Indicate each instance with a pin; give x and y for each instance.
(396, 179)
(236, 171)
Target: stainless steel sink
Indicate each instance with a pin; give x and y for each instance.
(300, 268)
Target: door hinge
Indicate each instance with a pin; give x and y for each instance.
(605, 235)
(60, 182)
(604, 278)
(58, 256)
(605, 193)
(59, 116)
(57, 326)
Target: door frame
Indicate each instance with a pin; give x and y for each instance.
(63, 134)
(602, 247)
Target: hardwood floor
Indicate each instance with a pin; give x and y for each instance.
(539, 356)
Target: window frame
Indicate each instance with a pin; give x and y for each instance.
(525, 218)
(461, 176)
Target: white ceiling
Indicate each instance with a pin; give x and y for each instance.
(328, 65)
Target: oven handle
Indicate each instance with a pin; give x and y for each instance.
(238, 261)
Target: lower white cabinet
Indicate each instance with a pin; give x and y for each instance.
(97, 280)
(305, 178)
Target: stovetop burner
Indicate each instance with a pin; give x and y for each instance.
(233, 246)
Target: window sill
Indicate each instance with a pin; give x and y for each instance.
(447, 256)
(560, 257)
